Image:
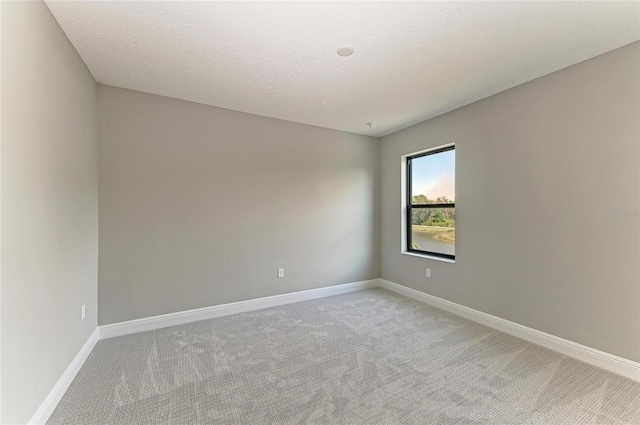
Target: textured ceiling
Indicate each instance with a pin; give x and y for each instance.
(412, 61)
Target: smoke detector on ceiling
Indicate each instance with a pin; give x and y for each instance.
(345, 51)
(372, 124)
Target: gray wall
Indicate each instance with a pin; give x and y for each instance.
(49, 206)
(199, 206)
(537, 168)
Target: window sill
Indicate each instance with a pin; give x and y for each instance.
(429, 257)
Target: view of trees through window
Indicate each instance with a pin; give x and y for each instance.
(432, 207)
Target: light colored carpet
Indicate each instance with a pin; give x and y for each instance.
(369, 357)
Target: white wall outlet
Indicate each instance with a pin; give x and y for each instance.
(83, 312)
(280, 272)
(428, 272)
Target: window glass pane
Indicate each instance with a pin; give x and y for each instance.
(434, 230)
(433, 178)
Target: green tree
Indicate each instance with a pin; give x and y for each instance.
(441, 217)
(437, 218)
(420, 200)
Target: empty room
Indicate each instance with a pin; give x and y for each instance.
(320, 212)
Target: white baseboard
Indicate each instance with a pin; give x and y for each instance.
(181, 317)
(610, 362)
(149, 323)
(51, 400)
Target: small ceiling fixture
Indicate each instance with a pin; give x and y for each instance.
(345, 51)
(372, 124)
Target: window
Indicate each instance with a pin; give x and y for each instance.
(431, 208)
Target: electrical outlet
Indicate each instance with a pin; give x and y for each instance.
(428, 272)
(280, 272)
(83, 312)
